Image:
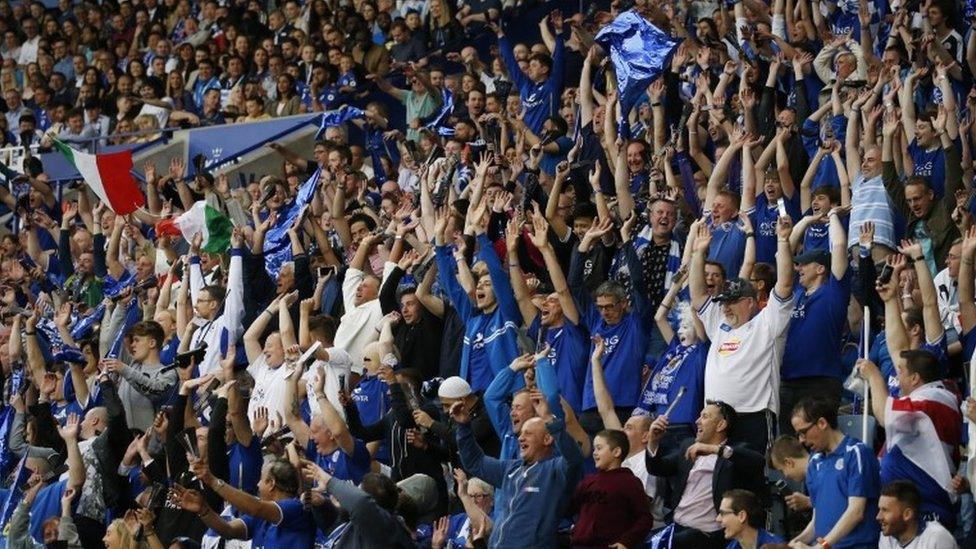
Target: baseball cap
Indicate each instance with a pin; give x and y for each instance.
(423, 491)
(454, 387)
(735, 289)
(813, 256)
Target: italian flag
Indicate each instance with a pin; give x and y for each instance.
(206, 220)
(109, 176)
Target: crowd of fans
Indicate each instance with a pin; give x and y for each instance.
(513, 315)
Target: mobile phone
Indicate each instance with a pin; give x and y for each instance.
(886, 272)
(780, 488)
(342, 382)
(194, 357)
(781, 205)
(329, 270)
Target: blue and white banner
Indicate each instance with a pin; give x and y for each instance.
(277, 245)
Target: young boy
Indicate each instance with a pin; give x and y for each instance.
(611, 504)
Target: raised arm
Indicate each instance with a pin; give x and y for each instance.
(967, 292)
(333, 421)
(931, 316)
(784, 259)
(541, 241)
(696, 271)
(838, 245)
(604, 400)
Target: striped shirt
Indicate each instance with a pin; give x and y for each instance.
(870, 203)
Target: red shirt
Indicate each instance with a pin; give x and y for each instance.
(612, 508)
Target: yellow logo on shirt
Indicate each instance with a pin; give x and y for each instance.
(730, 346)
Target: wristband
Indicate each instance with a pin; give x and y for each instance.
(29, 333)
(750, 234)
(919, 258)
(824, 544)
(658, 104)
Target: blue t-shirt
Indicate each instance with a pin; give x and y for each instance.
(296, 528)
(851, 470)
(816, 332)
(763, 538)
(568, 348)
(679, 366)
(929, 164)
(764, 217)
(728, 246)
(245, 465)
(622, 357)
(341, 465)
(887, 365)
(372, 398)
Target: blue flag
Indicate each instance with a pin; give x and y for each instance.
(338, 116)
(132, 316)
(970, 9)
(15, 494)
(277, 245)
(640, 53)
(662, 539)
(447, 108)
(7, 458)
(83, 328)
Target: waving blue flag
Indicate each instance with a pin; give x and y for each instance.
(83, 328)
(970, 9)
(338, 116)
(640, 53)
(15, 494)
(132, 316)
(277, 245)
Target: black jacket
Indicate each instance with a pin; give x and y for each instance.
(743, 470)
(420, 343)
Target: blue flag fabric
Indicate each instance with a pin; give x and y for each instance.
(277, 245)
(970, 10)
(132, 316)
(7, 458)
(662, 539)
(84, 327)
(447, 107)
(15, 494)
(338, 116)
(640, 53)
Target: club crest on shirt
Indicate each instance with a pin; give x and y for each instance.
(729, 347)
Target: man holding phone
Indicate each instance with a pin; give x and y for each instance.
(145, 385)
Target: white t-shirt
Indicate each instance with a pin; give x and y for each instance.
(339, 363)
(358, 326)
(934, 536)
(269, 388)
(743, 364)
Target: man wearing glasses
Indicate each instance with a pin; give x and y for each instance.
(744, 359)
(843, 480)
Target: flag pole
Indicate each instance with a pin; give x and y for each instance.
(867, 387)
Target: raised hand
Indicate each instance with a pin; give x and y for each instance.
(70, 430)
(598, 347)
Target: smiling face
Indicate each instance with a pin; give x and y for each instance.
(534, 440)
(894, 516)
(663, 217)
(521, 411)
(809, 275)
(732, 523)
(710, 425)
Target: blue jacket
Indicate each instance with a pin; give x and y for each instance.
(498, 402)
(540, 100)
(490, 340)
(540, 490)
